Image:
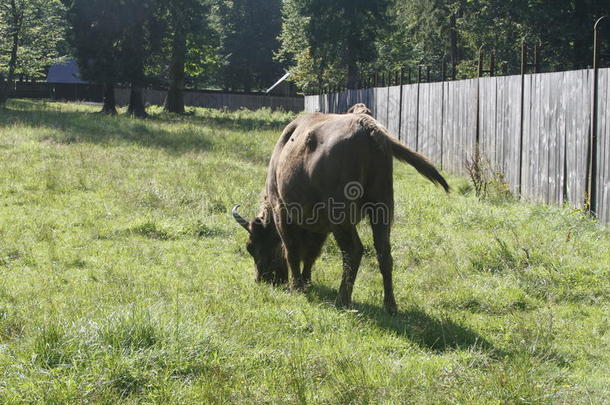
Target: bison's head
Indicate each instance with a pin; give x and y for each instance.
(265, 247)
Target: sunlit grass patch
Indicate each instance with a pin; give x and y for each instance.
(123, 278)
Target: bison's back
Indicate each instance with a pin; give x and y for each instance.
(325, 154)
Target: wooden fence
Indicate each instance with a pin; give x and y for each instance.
(192, 98)
(535, 129)
(58, 91)
(219, 100)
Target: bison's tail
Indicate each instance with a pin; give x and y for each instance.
(419, 162)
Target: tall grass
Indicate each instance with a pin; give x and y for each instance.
(124, 279)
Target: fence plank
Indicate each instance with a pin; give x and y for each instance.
(490, 145)
(393, 124)
(430, 121)
(342, 103)
(576, 90)
(508, 124)
(409, 115)
(459, 124)
(380, 105)
(603, 150)
(526, 160)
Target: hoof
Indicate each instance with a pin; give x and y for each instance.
(298, 286)
(279, 282)
(390, 307)
(342, 303)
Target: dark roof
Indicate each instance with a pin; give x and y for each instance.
(66, 72)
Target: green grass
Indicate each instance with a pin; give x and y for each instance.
(123, 278)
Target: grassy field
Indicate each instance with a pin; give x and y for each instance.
(124, 278)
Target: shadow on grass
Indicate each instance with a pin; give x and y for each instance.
(78, 126)
(246, 121)
(426, 331)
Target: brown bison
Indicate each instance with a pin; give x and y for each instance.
(326, 174)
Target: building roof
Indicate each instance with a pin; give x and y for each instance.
(66, 72)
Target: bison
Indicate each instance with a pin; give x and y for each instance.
(327, 173)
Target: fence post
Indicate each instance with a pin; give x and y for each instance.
(523, 57)
(537, 59)
(522, 113)
(592, 152)
(401, 74)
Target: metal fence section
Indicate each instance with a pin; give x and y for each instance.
(534, 129)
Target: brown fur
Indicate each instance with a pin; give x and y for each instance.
(313, 161)
(360, 109)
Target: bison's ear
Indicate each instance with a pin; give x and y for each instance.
(240, 220)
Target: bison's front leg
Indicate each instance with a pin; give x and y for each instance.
(352, 250)
(313, 243)
(293, 258)
(291, 242)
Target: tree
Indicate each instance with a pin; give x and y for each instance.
(30, 35)
(430, 31)
(340, 37)
(141, 47)
(95, 31)
(115, 41)
(189, 35)
(249, 30)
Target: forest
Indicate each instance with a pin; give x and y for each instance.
(246, 45)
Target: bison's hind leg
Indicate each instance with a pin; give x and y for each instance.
(352, 250)
(381, 239)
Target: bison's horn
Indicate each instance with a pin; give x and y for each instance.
(240, 220)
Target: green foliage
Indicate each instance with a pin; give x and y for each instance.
(330, 41)
(95, 34)
(426, 32)
(31, 36)
(124, 279)
(249, 31)
(191, 21)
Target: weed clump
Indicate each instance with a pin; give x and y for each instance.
(488, 184)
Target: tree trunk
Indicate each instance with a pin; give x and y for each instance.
(174, 102)
(582, 56)
(455, 52)
(3, 90)
(17, 21)
(352, 75)
(12, 63)
(109, 100)
(136, 102)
